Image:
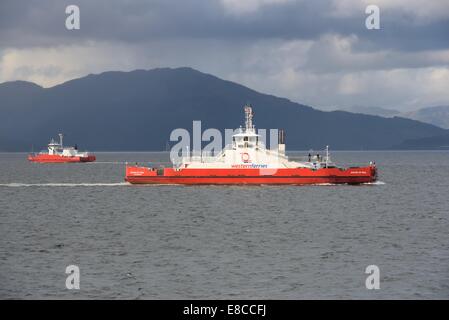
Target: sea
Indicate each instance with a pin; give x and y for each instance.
(224, 242)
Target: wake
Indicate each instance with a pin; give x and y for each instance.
(20, 185)
(376, 183)
(120, 184)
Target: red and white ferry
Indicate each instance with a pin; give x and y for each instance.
(248, 161)
(57, 153)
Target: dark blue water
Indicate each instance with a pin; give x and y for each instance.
(280, 242)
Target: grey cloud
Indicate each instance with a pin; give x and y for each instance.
(41, 23)
(297, 49)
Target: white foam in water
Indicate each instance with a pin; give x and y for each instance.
(18, 185)
(118, 184)
(376, 183)
(106, 162)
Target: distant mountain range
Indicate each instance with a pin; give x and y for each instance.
(438, 116)
(373, 111)
(137, 110)
(440, 142)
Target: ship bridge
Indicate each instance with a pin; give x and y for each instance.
(246, 138)
(55, 147)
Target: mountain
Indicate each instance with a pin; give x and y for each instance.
(440, 142)
(137, 110)
(438, 116)
(374, 111)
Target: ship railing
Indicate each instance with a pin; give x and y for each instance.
(313, 158)
(302, 158)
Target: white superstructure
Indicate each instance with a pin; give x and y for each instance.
(57, 148)
(248, 151)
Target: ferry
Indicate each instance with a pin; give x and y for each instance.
(246, 161)
(57, 153)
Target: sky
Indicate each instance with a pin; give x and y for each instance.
(316, 52)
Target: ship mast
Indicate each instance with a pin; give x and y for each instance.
(60, 139)
(249, 118)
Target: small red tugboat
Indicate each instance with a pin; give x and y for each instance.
(57, 153)
(248, 161)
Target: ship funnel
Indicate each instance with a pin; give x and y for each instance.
(281, 141)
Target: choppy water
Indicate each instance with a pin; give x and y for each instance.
(280, 242)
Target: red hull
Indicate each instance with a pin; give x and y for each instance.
(298, 176)
(47, 158)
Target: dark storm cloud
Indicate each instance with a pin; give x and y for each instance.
(42, 23)
(314, 52)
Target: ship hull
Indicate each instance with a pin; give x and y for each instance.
(298, 176)
(47, 158)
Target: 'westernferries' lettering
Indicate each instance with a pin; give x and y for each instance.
(249, 166)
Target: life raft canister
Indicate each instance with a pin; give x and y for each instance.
(245, 157)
